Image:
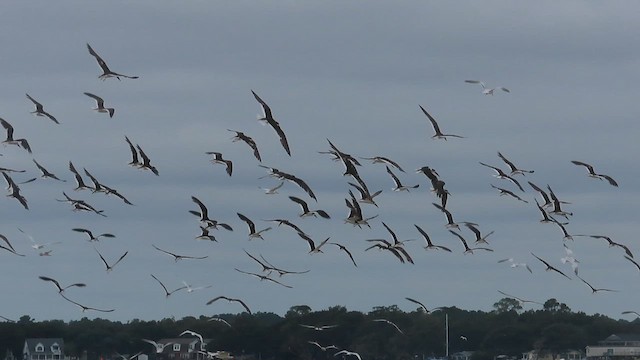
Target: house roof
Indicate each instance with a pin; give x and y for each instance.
(31, 343)
(623, 337)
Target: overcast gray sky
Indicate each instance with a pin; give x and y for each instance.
(355, 73)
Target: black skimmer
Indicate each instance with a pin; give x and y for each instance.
(39, 111)
(313, 249)
(135, 162)
(9, 140)
(398, 185)
(594, 175)
(57, 284)
(273, 172)
(240, 136)
(504, 192)
(422, 305)
(146, 162)
(84, 307)
(594, 289)
(467, 249)
(549, 267)
(253, 233)
(512, 167)
(427, 239)
(306, 211)
(218, 159)
(383, 160)
(100, 105)
(166, 291)
(436, 128)
(106, 264)
(177, 257)
(502, 175)
(44, 173)
(267, 117)
(91, 236)
(221, 297)
(344, 248)
(106, 72)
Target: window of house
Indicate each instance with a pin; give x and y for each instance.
(55, 348)
(176, 347)
(39, 347)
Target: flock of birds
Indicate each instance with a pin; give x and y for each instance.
(358, 200)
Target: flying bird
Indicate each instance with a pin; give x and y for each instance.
(504, 192)
(344, 248)
(192, 333)
(273, 190)
(146, 162)
(549, 267)
(166, 291)
(253, 234)
(422, 305)
(323, 348)
(429, 244)
(436, 128)
(177, 257)
(502, 175)
(84, 307)
(39, 111)
(476, 231)
(106, 72)
(595, 175)
(100, 105)
(9, 140)
(348, 353)
(57, 284)
(594, 289)
(486, 90)
(230, 300)
(514, 170)
(319, 328)
(514, 264)
(467, 249)
(305, 209)
(44, 173)
(390, 323)
(106, 264)
(159, 347)
(218, 159)
(313, 248)
(204, 216)
(135, 161)
(240, 136)
(91, 236)
(383, 160)
(521, 301)
(398, 185)
(273, 172)
(267, 117)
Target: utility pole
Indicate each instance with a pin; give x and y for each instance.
(446, 334)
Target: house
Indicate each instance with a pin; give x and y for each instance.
(565, 355)
(462, 355)
(616, 346)
(182, 349)
(43, 349)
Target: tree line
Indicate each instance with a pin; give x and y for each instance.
(506, 330)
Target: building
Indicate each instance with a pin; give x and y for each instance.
(616, 346)
(43, 349)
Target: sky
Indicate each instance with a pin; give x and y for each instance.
(354, 73)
